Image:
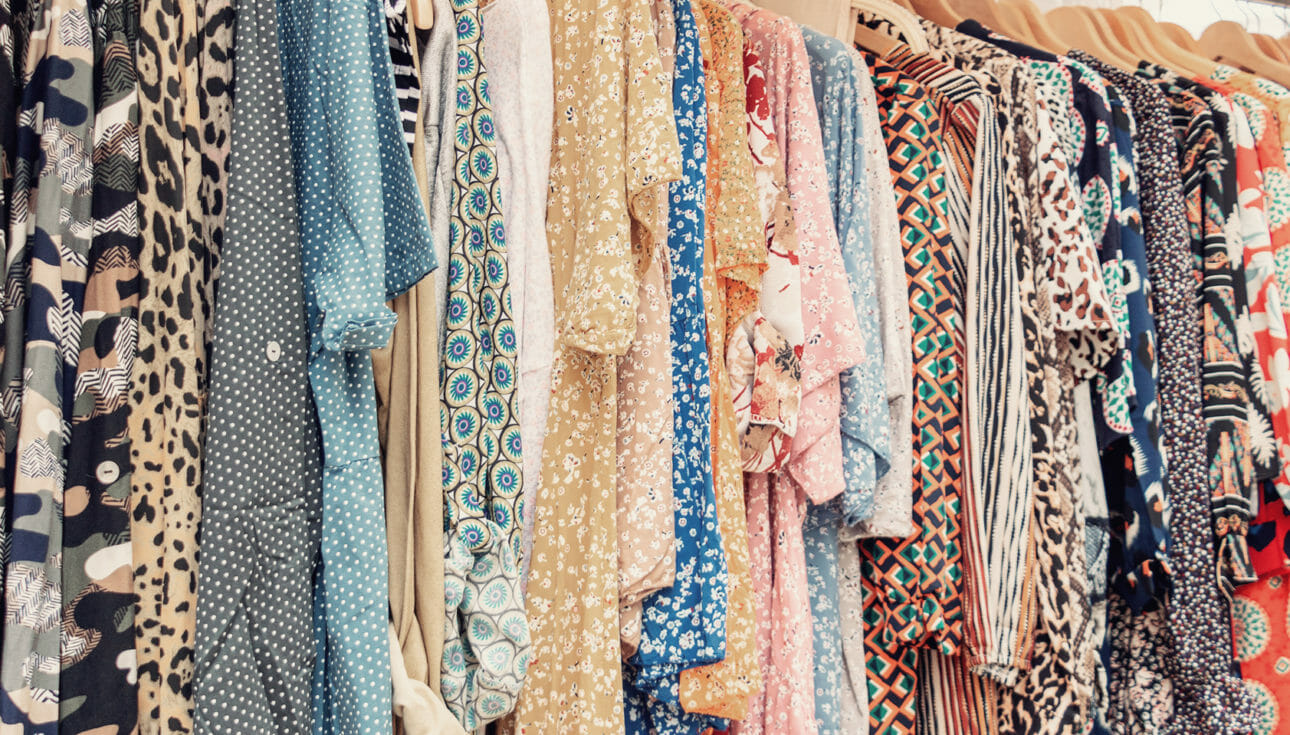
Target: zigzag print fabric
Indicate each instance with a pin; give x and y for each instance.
(912, 597)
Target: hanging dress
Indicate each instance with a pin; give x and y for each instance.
(98, 595)
(262, 501)
(604, 119)
(50, 241)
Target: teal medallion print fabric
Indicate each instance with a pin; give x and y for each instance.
(486, 649)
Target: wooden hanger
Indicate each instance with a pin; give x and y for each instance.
(903, 21)
(1127, 37)
(939, 12)
(1163, 49)
(983, 11)
(1102, 26)
(826, 16)
(1269, 46)
(1227, 42)
(1040, 32)
(1015, 24)
(1179, 35)
(906, 5)
(422, 14)
(1078, 31)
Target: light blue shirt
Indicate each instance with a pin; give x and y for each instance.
(835, 71)
(865, 422)
(365, 239)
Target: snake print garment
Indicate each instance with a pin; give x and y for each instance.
(481, 448)
(911, 585)
(97, 691)
(1208, 697)
(50, 243)
(184, 80)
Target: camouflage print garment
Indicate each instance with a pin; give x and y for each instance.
(98, 690)
(45, 285)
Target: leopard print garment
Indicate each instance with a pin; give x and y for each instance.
(184, 57)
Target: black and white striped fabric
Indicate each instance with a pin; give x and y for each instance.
(406, 85)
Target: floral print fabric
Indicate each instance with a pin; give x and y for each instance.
(831, 346)
(767, 396)
(1226, 392)
(596, 191)
(835, 79)
(672, 640)
(835, 74)
(733, 260)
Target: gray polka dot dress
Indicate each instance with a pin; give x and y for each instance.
(263, 505)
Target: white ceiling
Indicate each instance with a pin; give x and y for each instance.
(1195, 15)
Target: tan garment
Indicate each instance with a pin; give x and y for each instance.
(184, 68)
(417, 710)
(614, 142)
(407, 393)
(646, 521)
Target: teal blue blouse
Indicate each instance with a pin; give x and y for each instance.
(365, 239)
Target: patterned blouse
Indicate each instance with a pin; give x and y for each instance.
(734, 257)
(999, 454)
(1206, 696)
(912, 586)
(765, 350)
(646, 405)
(1133, 468)
(1270, 530)
(835, 79)
(1226, 389)
(1012, 91)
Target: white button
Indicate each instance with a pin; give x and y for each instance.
(273, 351)
(107, 472)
